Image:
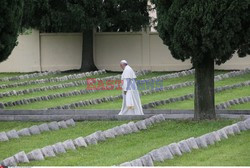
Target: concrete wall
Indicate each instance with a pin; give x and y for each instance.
(25, 57)
(142, 51)
(63, 51)
(145, 50)
(45, 52)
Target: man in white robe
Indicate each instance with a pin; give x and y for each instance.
(131, 99)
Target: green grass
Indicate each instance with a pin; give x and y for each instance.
(231, 152)
(13, 146)
(219, 98)
(112, 151)
(54, 83)
(44, 93)
(11, 74)
(72, 99)
(147, 76)
(129, 147)
(230, 81)
(245, 106)
(35, 78)
(144, 99)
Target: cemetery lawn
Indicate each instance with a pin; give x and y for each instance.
(219, 97)
(245, 106)
(188, 104)
(234, 151)
(123, 148)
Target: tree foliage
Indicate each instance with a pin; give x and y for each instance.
(125, 15)
(198, 29)
(10, 21)
(81, 15)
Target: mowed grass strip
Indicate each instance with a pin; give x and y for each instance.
(34, 78)
(231, 152)
(147, 76)
(245, 106)
(129, 147)
(73, 99)
(54, 83)
(219, 98)
(233, 80)
(69, 89)
(188, 104)
(49, 92)
(101, 94)
(30, 143)
(3, 75)
(12, 74)
(144, 99)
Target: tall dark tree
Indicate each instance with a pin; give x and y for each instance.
(84, 16)
(11, 12)
(206, 32)
(125, 15)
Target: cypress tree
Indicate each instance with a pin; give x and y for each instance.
(11, 12)
(206, 32)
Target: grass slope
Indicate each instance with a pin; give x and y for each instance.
(245, 106)
(27, 144)
(112, 151)
(231, 152)
(219, 98)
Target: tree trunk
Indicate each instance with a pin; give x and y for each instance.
(204, 90)
(87, 52)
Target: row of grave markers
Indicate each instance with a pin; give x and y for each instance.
(155, 103)
(92, 139)
(79, 104)
(191, 96)
(233, 102)
(61, 95)
(113, 98)
(161, 154)
(166, 88)
(186, 146)
(36, 129)
(53, 79)
(29, 76)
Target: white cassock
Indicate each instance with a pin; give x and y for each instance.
(131, 104)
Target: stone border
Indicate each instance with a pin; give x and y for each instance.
(233, 102)
(36, 129)
(82, 142)
(106, 115)
(54, 79)
(28, 76)
(186, 146)
(191, 96)
(171, 87)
